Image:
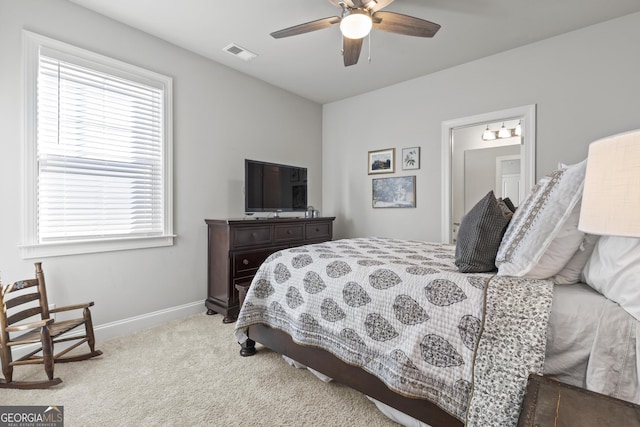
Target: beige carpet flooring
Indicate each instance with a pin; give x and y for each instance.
(189, 373)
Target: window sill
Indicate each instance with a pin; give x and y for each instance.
(93, 246)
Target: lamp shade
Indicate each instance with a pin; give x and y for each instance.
(611, 198)
(504, 132)
(518, 130)
(488, 135)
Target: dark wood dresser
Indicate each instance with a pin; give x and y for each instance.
(237, 247)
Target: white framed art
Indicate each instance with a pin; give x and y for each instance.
(411, 158)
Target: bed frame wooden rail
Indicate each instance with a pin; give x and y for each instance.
(352, 376)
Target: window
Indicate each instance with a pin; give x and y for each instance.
(98, 152)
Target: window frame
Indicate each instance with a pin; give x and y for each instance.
(31, 247)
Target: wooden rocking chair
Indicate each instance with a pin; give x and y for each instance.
(26, 299)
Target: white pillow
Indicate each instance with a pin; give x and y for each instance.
(561, 248)
(572, 272)
(539, 219)
(614, 270)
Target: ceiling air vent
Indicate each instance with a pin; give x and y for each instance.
(239, 52)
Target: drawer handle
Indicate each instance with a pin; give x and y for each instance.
(245, 261)
(254, 234)
(289, 231)
(317, 230)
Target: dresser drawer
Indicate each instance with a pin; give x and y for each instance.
(287, 232)
(252, 236)
(244, 263)
(321, 230)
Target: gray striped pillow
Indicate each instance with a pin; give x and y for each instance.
(480, 234)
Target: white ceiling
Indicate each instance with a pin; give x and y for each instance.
(310, 65)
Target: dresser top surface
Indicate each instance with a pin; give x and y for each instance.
(262, 220)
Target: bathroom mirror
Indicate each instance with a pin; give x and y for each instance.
(472, 165)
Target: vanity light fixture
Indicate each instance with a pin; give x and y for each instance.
(503, 132)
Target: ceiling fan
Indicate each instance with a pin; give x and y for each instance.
(356, 21)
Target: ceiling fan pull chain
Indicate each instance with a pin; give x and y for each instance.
(369, 58)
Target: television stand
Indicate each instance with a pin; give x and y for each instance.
(237, 248)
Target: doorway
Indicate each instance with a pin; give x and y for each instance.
(462, 180)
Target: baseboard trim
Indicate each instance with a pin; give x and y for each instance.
(145, 321)
(130, 325)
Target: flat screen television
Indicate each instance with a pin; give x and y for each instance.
(272, 187)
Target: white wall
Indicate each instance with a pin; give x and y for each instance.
(585, 83)
(221, 117)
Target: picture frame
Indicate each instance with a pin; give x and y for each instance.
(382, 161)
(394, 192)
(411, 158)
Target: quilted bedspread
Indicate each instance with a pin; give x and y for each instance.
(401, 310)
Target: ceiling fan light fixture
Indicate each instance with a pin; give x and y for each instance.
(356, 25)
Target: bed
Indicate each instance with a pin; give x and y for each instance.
(406, 310)
(571, 353)
(439, 342)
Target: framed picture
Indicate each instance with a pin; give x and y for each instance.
(411, 158)
(396, 192)
(382, 161)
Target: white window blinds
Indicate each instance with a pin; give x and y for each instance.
(99, 154)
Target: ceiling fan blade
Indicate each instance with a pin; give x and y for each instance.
(351, 50)
(306, 27)
(404, 24)
(379, 4)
